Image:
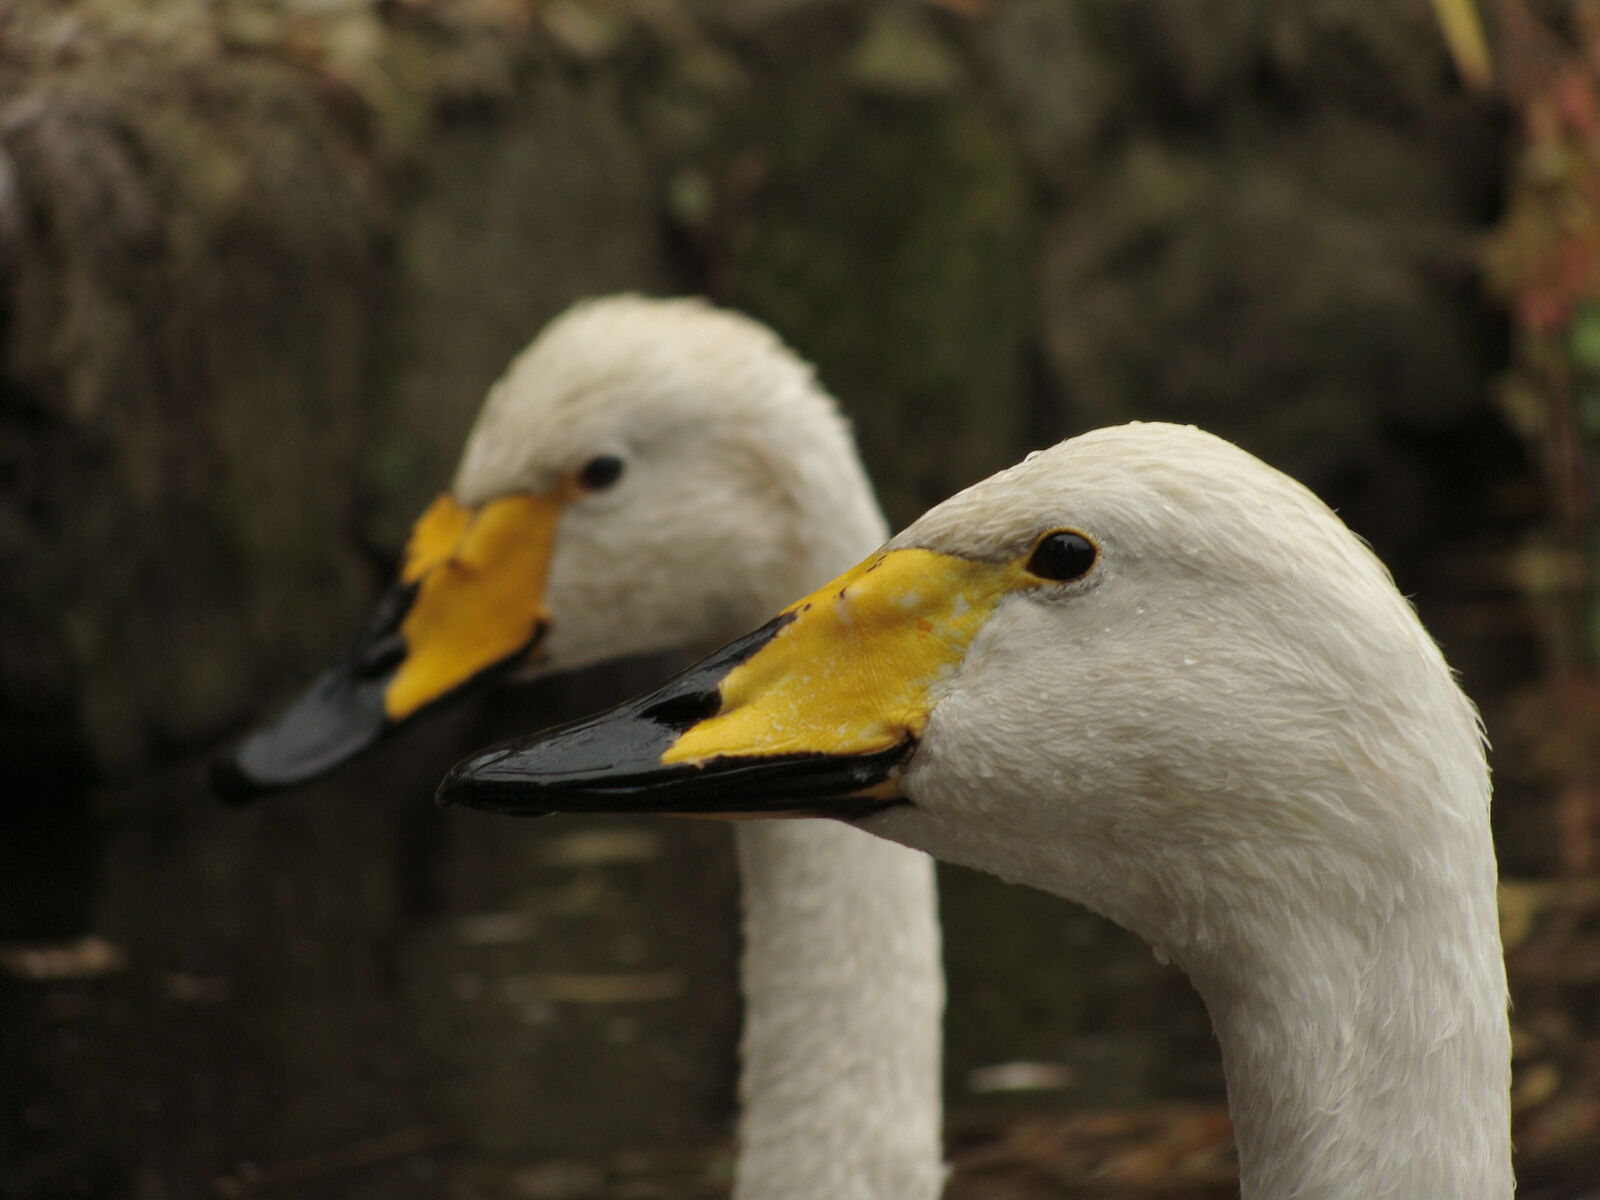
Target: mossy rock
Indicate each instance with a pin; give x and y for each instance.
(896, 261)
(1272, 293)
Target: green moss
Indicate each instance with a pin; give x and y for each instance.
(895, 259)
(900, 53)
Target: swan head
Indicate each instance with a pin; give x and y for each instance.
(1141, 669)
(647, 475)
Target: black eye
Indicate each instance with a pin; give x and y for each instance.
(1062, 556)
(601, 472)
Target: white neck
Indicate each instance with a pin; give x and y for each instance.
(844, 997)
(1362, 1014)
(844, 986)
(1371, 1062)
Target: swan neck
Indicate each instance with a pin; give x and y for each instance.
(844, 985)
(1372, 1062)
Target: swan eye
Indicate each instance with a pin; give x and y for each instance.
(1063, 556)
(600, 472)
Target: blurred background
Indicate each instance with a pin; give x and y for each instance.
(258, 263)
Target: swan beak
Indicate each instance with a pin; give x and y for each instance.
(814, 714)
(468, 606)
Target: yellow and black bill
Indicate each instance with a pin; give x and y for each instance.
(814, 714)
(622, 761)
(468, 608)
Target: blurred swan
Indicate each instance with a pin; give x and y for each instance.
(652, 474)
(1144, 671)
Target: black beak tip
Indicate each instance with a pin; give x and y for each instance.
(475, 783)
(453, 788)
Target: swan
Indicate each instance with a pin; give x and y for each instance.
(651, 474)
(1144, 671)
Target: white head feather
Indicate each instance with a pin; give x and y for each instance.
(741, 485)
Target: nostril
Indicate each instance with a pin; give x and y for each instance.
(381, 648)
(381, 657)
(392, 609)
(682, 711)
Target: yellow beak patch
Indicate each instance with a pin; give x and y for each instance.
(861, 664)
(479, 575)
